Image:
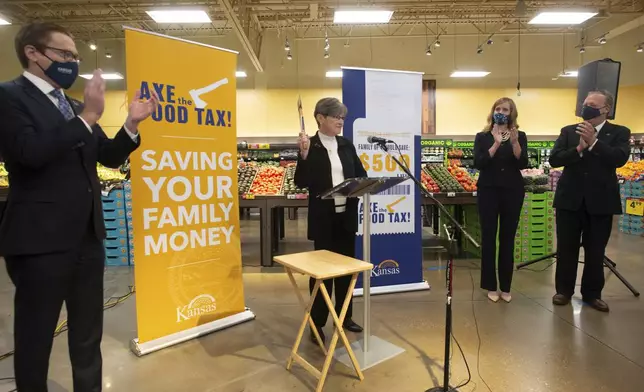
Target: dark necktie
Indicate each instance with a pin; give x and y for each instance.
(63, 104)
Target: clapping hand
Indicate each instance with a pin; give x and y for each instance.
(304, 143)
(587, 133)
(514, 135)
(498, 137)
(140, 109)
(94, 98)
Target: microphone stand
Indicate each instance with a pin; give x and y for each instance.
(451, 240)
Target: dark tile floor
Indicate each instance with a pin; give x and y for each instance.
(525, 346)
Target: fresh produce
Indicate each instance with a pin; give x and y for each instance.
(429, 182)
(289, 189)
(268, 181)
(107, 174)
(245, 176)
(632, 171)
(463, 178)
(443, 178)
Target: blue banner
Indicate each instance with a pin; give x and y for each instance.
(388, 104)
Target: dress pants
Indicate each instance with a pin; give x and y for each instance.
(43, 283)
(499, 210)
(341, 241)
(595, 230)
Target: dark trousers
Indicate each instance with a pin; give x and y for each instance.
(499, 210)
(595, 230)
(43, 283)
(341, 241)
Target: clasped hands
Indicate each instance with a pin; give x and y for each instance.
(587, 135)
(497, 133)
(94, 101)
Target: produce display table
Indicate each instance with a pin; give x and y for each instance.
(321, 265)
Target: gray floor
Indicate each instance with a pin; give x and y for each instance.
(525, 346)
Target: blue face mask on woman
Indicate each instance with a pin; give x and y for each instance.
(63, 74)
(500, 118)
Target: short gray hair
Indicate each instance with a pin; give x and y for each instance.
(609, 98)
(329, 107)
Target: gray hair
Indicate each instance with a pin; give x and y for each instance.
(329, 107)
(609, 98)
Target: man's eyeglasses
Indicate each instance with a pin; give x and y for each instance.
(66, 54)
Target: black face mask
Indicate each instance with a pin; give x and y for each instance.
(63, 74)
(589, 112)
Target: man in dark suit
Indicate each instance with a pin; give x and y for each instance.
(52, 230)
(587, 197)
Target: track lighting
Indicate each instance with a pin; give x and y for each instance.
(437, 43)
(108, 55)
(326, 55)
(582, 50)
(289, 56)
(602, 40)
(287, 46)
(479, 50)
(429, 51)
(640, 48)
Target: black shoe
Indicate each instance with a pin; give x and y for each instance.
(314, 339)
(560, 300)
(597, 304)
(351, 326)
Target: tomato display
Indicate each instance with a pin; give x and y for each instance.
(463, 178)
(268, 181)
(429, 182)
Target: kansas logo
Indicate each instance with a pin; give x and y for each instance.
(387, 267)
(200, 305)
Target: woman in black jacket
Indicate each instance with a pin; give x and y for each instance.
(500, 152)
(324, 161)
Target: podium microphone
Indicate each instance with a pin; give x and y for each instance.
(379, 140)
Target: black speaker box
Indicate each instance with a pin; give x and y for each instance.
(598, 75)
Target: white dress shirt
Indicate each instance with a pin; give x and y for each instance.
(337, 174)
(47, 88)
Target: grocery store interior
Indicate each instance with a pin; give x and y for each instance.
(294, 49)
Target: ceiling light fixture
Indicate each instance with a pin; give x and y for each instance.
(287, 46)
(437, 43)
(582, 50)
(490, 42)
(361, 16)
(326, 55)
(602, 41)
(92, 45)
(179, 16)
(479, 50)
(108, 55)
(4, 22)
(289, 56)
(429, 51)
(561, 18)
(105, 75)
(469, 74)
(240, 74)
(569, 74)
(333, 74)
(640, 48)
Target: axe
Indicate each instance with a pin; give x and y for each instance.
(196, 93)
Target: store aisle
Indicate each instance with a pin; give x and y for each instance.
(527, 346)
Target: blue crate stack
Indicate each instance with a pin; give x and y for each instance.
(119, 227)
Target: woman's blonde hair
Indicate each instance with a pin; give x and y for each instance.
(512, 118)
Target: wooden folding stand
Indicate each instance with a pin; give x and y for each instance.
(322, 265)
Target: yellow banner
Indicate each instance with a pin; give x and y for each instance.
(184, 186)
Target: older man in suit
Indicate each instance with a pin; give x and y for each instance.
(587, 197)
(52, 230)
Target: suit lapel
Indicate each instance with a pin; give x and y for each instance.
(36, 95)
(607, 133)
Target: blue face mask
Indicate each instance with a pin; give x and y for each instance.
(500, 118)
(63, 74)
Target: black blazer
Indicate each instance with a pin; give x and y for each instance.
(504, 169)
(591, 178)
(314, 173)
(54, 195)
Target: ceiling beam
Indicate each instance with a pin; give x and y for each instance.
(243, 38)
(622, 29)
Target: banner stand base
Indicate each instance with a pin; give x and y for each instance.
(141, 349)
(379, 351)
(397, 288)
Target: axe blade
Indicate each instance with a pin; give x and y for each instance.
(199, 103)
